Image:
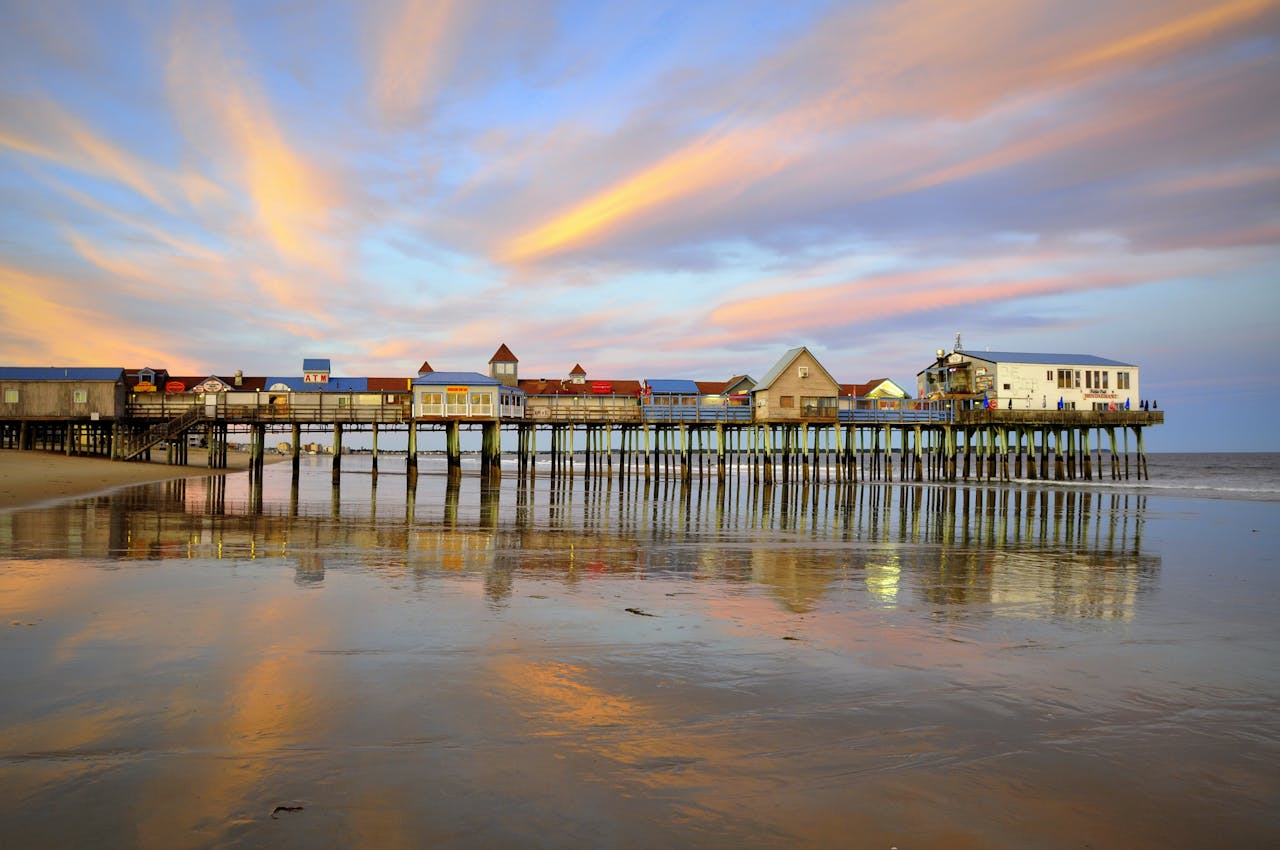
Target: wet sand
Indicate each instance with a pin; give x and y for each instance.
(33, 477)
(558, 665)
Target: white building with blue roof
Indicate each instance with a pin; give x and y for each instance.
(465, 395)
(1020, 380)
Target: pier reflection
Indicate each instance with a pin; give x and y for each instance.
(963, 551)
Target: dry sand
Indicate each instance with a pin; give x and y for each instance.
(29, 478)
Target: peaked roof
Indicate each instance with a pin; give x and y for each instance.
(503, 355)
(786, 360)
(425, 368)
(577, 369)
(865, 389)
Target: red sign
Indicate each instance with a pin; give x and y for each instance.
(601, 387)
(175, 387)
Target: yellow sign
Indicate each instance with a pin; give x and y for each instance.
(455, 389)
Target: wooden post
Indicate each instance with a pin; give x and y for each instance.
(766, 435)
(1143, 471)
(337, 453)
(374, 460)
(453, 450)
(720, 459)
(648, 450)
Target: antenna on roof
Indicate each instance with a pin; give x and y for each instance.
(959, 347)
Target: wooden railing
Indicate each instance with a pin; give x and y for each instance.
(170, 430)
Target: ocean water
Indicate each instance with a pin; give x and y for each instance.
(613, 663)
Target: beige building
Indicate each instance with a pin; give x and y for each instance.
(796, 389)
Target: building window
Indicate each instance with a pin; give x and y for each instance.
(1077, 379)
(1064, 379)
(787, 401)
(804, 371)
(1122, 380)
(1088, 379)
(481, 403)
(820, 406)
(10, 396)
(1105, 376)
(1005, 387)
(1048, 374)
(457, 403)
(80, 396)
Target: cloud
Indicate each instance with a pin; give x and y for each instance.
(33, 304)
(874, 104)
(40, 128)
(228, 119)
(413, 50)
(1003, 280)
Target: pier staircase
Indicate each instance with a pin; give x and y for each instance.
(162, 431)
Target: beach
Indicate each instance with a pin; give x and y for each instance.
(592, 662)
(32, 477)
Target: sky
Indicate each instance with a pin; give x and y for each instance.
(648, 189)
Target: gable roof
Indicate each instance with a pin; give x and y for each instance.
(503, 355)
(425, 368)
(785, 361)
(868, 387)
(577, 369)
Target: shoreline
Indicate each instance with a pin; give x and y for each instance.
(29, 478)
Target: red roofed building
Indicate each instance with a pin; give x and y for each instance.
(504, 366)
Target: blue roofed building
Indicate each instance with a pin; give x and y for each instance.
(61, 392)
(464, 395)
(1020, 380)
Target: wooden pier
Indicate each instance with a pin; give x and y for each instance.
(900, 439)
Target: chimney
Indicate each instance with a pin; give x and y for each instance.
(239, 377)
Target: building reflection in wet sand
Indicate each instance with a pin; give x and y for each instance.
(972, 548)
(582, 662)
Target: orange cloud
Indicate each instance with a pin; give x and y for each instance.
(414, 47)
(224, 113)
(912, 61)
(1170, 35)
(707, 163)
(879, 297)
(32, 305)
